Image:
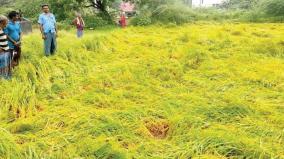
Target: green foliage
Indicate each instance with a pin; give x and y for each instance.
(153, 11)
(31, 9)
(273, 7)
(153, 4)
(99, 5)
(95, 21)
(236, 10)
(173, 14)
(265, 11)
(141, 20)
(159, 11)
(177, 14)
(64, 9)
(240, 4)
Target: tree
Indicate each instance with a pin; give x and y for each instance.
(100, 5)
(273, 7)
(240, 4)
(64, 8)
(152, 4)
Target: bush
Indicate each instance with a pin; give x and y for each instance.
(64, 25)
(265, 11)
(273, 7)
(244, 10)
(178, 14)
(173, 14)
(141, 20)
(95, 21)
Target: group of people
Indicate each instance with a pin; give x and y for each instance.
(10, 43)
(11, 36)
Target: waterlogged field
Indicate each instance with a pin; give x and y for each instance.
(193, 91)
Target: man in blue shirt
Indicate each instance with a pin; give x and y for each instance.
(47, 24)
(14, 32)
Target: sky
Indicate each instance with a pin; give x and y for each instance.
(206, 2)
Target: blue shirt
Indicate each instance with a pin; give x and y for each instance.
(48, 22)
(13, 30)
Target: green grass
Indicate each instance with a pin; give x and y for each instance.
(193, 91)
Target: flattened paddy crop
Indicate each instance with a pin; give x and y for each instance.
(193, 91)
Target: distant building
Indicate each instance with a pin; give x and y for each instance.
(127, 7)
(207, 3)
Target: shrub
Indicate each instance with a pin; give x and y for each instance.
(141, 20)
(65, 25)
(273, 7)
(95, 21)
(173, 14)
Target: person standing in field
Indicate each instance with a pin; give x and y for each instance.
(122, 20)
(80, 24)
(13, 32)
(5, 60)
(47, 24)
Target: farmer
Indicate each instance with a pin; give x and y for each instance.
(80, 24)
(13, 32)
(47, 24)
(5, 63)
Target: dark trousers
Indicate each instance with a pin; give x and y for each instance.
(16, 55)
(50, 44)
